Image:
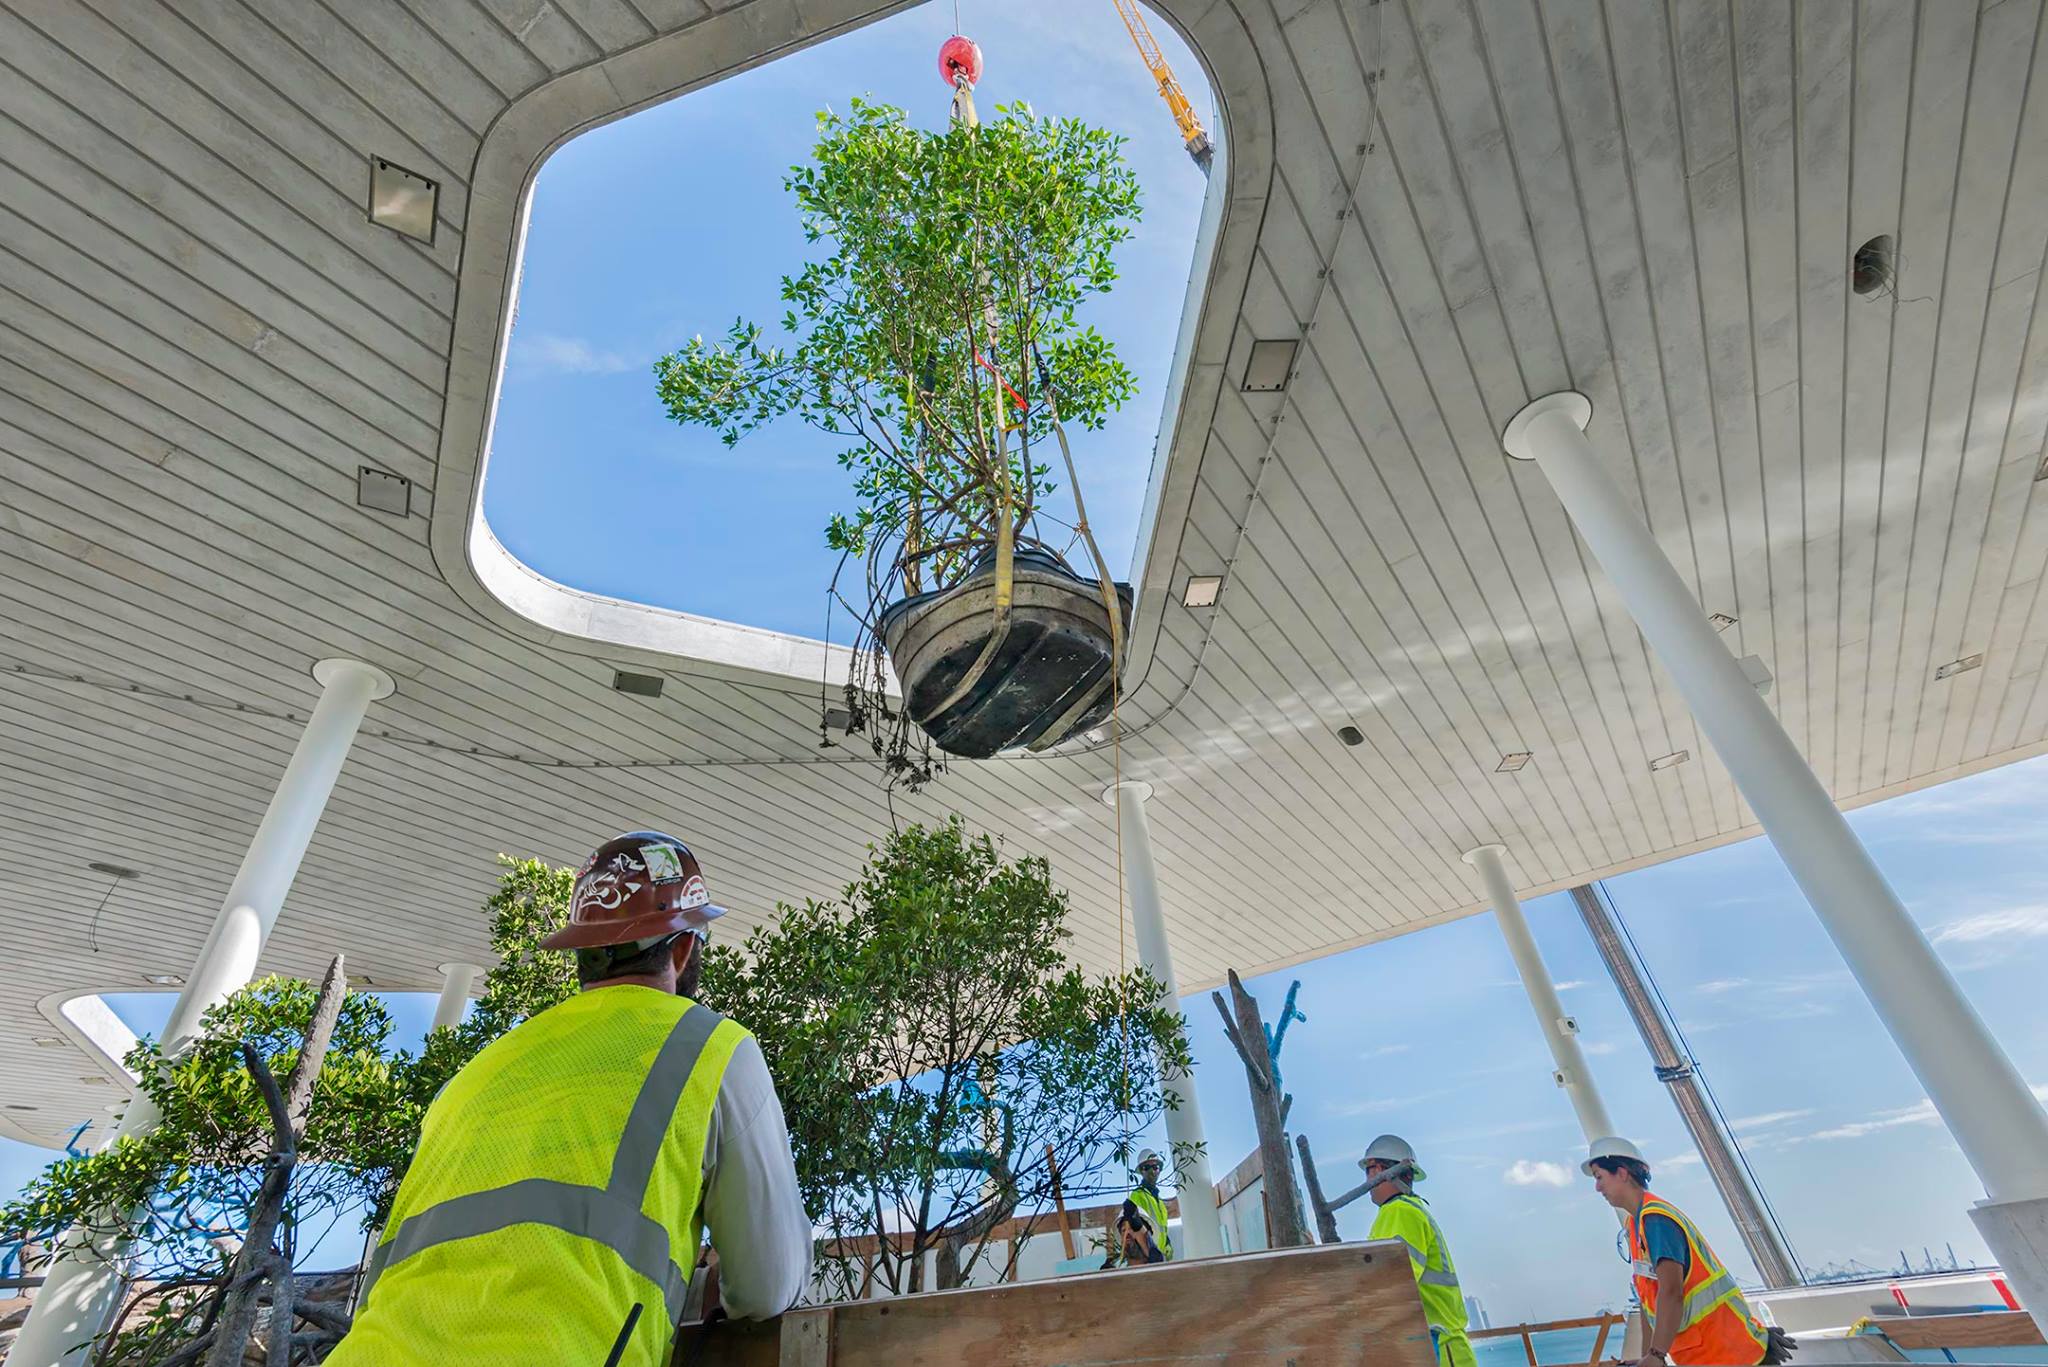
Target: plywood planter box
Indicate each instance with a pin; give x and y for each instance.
(1348, 1304)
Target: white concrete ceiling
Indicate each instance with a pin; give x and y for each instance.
(1456, 204)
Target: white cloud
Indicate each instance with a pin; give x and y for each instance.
(1600, 1046)
(1385, 1049)
(2013, 923)
(1715, 987)
(1767, 1120)
(1676, 1160)
(1536, 1172)
(1920, 1112)
(541, 351)
(1569, 986)
(1377, 1105)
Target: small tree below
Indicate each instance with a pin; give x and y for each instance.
(937, 1054)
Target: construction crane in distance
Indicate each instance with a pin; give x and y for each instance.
(1198, 144)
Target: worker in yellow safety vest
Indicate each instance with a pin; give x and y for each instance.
(564, 1178)
(1145, 1196)
(1405, 1216)
(1692, 1310)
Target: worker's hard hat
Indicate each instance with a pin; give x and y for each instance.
(1392, 1148)
(1612, 1146)
(642, 885)
(1150, 1156)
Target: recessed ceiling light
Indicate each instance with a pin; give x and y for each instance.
(360, 980)
(1962, 666)
(113, 870)
(93, 1081)
(1721, 620)
(1670, 761)
(1202, 591)
(639, 685)
(1757, 672)
(2042, 473)
(1351, 735)
(1513, 763)
(838, 719)
(47, 1042)
(1270, 366)
(383, 492)
(19, 1106)
(402, 200)
(164, 979)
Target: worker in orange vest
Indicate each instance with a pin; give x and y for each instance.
(1693, 1313)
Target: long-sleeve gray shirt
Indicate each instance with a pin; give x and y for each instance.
(751, 1203)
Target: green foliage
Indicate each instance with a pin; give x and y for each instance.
(950, 265)
(172, 1196)
(942, 979)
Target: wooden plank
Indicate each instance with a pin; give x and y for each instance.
(806, 1338)
(1312, 1307)
(1990, 1329)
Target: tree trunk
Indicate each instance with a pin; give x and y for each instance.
(1247, 1034)
(1326, 1219)
(258, 1261)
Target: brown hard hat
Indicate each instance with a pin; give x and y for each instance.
(638, 886)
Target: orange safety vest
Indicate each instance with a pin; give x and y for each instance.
(1715, 1326)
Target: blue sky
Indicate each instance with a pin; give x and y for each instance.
(674, 222)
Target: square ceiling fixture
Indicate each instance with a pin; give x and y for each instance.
(1670, 761)
(1962, 666)
(1202, 591)
(639, 685)
(47, 1042)
(383, 492)
(1721, 621)
(1271, 365)
(838, 719)
(1514, 763)
(1351, 735)
(163, 979)
(402, 200)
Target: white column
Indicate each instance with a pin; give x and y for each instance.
(1201, 1224)
(1980, 1096)
(455, 981)
(82, 1283)
(1560, 1031)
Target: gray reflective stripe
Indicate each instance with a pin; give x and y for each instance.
(1700, 1301)
(584, 1211)
(647, 1124)
(1415, 1250)
(610, 1216)
(1438, 1279)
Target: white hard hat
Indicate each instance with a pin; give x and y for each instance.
(1150, 1156)
(1612, 1146)
(1392, 1148)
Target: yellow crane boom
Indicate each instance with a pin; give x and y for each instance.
(1191, 131)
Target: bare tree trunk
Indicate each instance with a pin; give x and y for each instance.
(1326, 1219)
(258, 1260)
(1247, 1034)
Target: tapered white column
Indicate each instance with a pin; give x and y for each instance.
(1201, 1224)
(84, 1280)
(1979, 1095)
(1560, 1031)
(455, 984)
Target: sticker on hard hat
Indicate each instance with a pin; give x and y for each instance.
(662, 864)
(694, 894)
(608, 888)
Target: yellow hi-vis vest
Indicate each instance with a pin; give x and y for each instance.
(1407, 1218)
(553, 1211)
(1154, 1210)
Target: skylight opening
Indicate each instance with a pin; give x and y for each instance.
(675, 221)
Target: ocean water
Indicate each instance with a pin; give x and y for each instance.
(1554, 1348)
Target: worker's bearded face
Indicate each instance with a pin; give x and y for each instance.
(691, 969)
